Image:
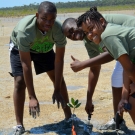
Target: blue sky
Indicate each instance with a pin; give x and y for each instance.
(12, 3)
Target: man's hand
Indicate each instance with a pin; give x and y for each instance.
(34, 108)
(89, 108)
(76, 65)
(59, 99)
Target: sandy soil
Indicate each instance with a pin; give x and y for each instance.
(76, 84)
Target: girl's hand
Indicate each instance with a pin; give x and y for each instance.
(121, 106)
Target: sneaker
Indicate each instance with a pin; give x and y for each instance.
(123, 126)
(111, 125)
(19, 130)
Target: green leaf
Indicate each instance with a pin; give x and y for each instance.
(76, 102)
(68, 104)
(77, 105)
(72, 101)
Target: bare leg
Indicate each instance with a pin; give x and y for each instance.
(64, 93)
(117, 83)
(19, 98)
(116, 92)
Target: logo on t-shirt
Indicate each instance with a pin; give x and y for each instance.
(42, 45)
(133, 61)
(100, 50)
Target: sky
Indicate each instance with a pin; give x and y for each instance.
(12, 3)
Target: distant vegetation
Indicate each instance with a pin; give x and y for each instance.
(70, 7)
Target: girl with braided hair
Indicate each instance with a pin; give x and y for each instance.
(119, 41)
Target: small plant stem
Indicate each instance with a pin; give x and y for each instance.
(73, 110)
(73, 115)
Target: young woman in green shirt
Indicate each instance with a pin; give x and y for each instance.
(119, 41)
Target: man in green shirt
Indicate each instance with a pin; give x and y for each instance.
(33, 39)
(119, 41)
(72, 32)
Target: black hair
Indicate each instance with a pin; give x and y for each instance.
(47, 6)
(68, 22)
(91, 14)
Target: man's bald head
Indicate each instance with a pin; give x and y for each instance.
(68, 24)
(71, 30)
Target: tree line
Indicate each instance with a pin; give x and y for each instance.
(93, 3)
(64, 7)
(77, 4)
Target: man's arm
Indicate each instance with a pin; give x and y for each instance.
(98, 60)
(92, 82)
(103, 58)
(27, 71)
(59, 62)
(28, 77)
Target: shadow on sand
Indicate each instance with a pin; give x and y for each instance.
(61, 129)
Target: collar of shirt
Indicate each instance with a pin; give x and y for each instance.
(43, 33)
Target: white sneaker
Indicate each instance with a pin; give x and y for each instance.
(19, 130)
(110, 125)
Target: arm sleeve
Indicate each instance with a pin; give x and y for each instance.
(22, 42)
(115, 46)
(120, 19)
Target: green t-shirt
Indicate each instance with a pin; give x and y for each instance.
(27, 37)
(120, 19)
(119, 40)
(92, 49)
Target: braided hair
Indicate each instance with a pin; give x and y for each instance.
(92, 15)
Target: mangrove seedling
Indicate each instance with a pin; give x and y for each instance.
(74, 104)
